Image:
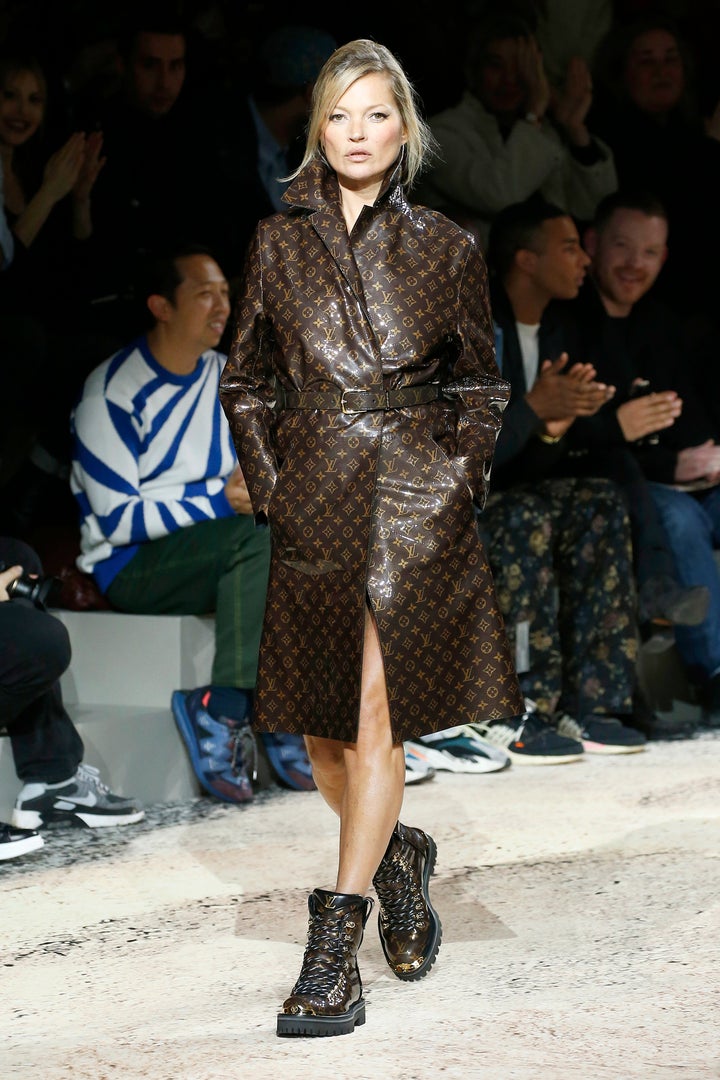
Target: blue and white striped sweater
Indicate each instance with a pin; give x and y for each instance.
(152, 454)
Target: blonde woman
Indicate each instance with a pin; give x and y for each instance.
(364, 401)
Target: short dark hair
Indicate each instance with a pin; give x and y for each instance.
(153, 20)
(646, 202)
(161, 276)
(494, 26)
(515, 228)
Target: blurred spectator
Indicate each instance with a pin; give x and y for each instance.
(645, 108)
(167, 526)
(628, 336)
(559, 547)
(47, 749)
(46, 199)
(510, 137)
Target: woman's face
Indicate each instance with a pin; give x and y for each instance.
(654, 74)
(500, 86)
(22, 108)
(364, 133)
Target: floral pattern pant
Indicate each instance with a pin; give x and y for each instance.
(560, 552)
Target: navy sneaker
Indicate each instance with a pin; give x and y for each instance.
(222, 752)
(601, 734)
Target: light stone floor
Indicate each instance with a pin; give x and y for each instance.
(581, 911)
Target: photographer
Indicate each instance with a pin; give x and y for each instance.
(48, 751)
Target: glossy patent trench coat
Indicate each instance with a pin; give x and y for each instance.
(372, 507)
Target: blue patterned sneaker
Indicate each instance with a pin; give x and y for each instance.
(222, 752)
(288, 757)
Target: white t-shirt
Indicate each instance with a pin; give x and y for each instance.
(530, 349)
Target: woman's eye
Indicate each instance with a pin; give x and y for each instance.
(378, 116)
(334, 117)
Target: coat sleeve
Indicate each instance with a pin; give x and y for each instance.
(475, 386)
(247, 391)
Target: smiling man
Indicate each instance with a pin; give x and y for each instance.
(551, 535)
(635, 342)
(166, 522)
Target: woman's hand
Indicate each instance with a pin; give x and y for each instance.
(645, 415)
(63, 168)
(6, 578)
(92, 164)
(572, 105)
(532, 72)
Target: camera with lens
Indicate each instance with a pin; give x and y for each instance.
(39, 590)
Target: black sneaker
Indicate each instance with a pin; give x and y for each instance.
(602, 734)
(531, 740)
(82, 800)
(14, 842)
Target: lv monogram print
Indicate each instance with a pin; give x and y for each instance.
(373, 507)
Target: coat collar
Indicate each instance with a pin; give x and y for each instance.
(317, 188)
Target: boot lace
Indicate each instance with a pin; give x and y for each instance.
(402, 904)
(317, 976)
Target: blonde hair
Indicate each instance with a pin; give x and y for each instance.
(348, 64)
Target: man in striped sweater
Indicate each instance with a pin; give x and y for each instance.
(166, 521)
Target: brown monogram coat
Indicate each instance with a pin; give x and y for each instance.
(373, 506)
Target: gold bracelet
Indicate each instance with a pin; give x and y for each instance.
(549, 439)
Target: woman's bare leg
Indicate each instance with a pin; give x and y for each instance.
(363, 781)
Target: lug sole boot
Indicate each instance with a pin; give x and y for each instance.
(327, 998)
(409, 927)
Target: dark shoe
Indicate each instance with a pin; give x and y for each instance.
(655, 726)
(662, 598)
(602, 734)
(410, 930)
(14, 842)
(711, 703)
(327, 998)
(531, 739)
(222, 752)
(83, 800)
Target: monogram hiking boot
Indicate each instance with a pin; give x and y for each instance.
(409, 927)
(327, 999)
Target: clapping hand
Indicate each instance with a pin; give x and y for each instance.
(532, 72)
(642, 416)
(92, 163)
(64, 167)
(571, 106)
(559, 398)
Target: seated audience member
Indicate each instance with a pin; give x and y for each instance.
(508, 139)
(645, 108)
(559, 547)
(7, 243)
(263, 141)
(48, 751)
(152, 191)
(46, 201)
(166, 525)
(538, 260)
(634, 342)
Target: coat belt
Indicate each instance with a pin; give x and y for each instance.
(357, 400)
